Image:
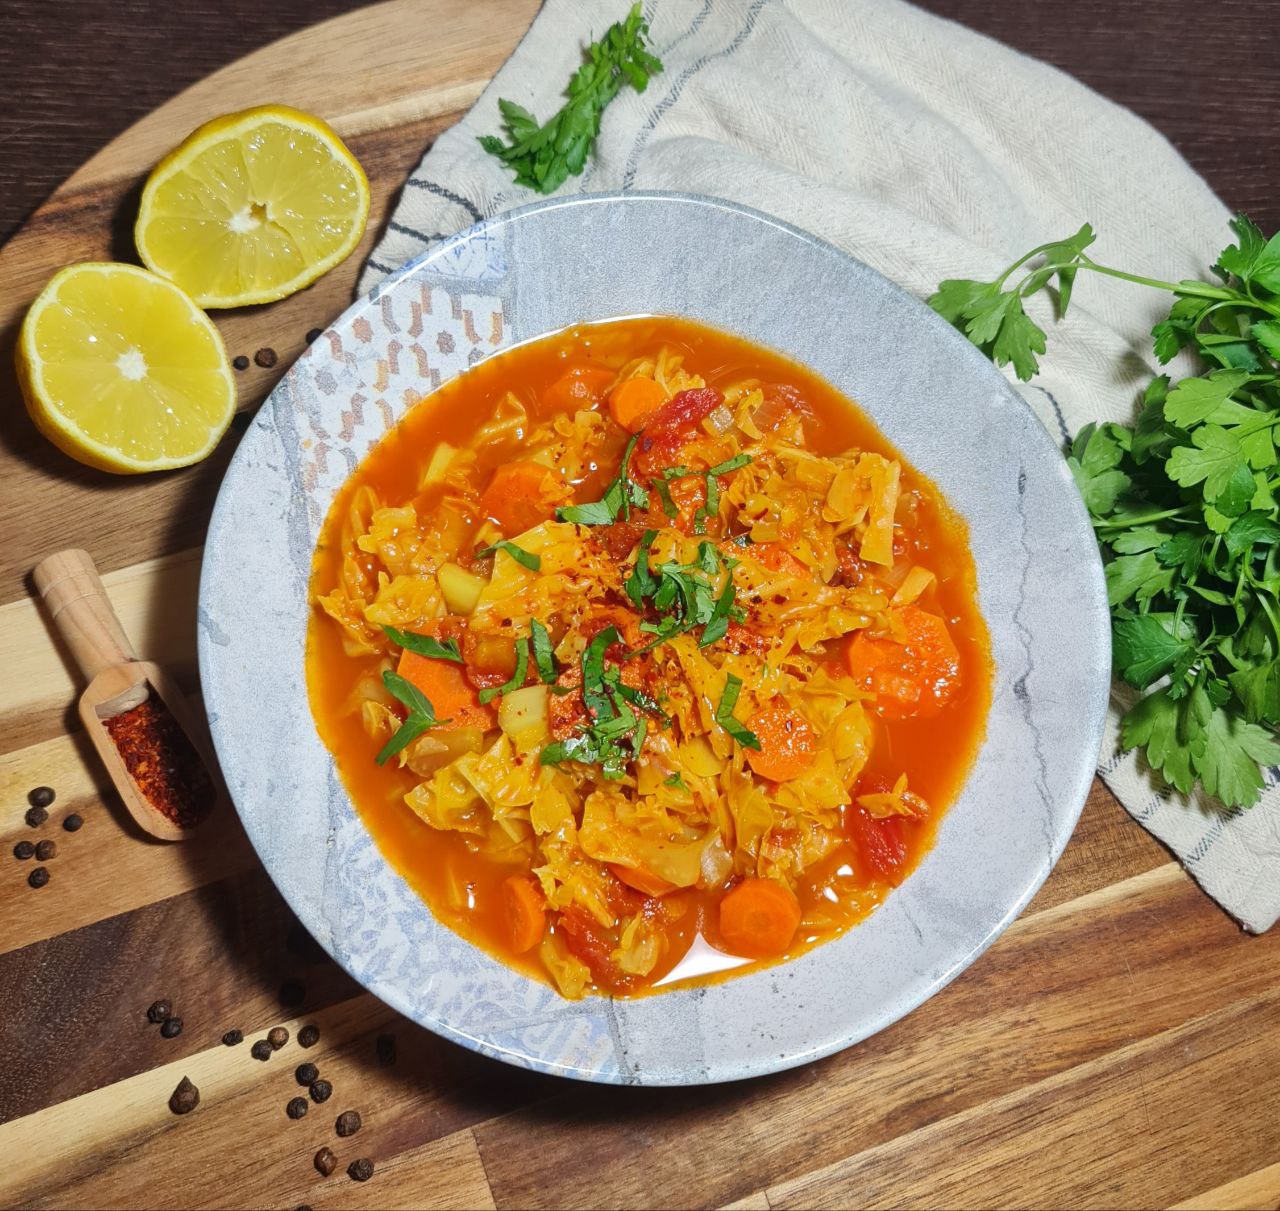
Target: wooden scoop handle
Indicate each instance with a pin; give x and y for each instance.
(78, 605)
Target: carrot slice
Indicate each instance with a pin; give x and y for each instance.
(640, 879)
(634, 401)
(916, 677)
(444, 683)
(521, 494)
(579, 387)
(786, 743)
(526, 918)
(776, 557)
(758, 918)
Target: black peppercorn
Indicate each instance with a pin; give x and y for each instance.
(185, 1098)
(360, 1170)
(309, 1036)
(35, 817)
(266, 358)
(46, 850)
(314, 335)
(232, 1037)
(348, 1123)
(261, 1050)
(159, 1011)
(38, 877)
(240, 362)
(326, 1162)
(385, 1049)
(171, 1029)
(297, 1107)
(277, 1036)
(73, 823)
(41, 796)
(306, 1074)
(321, 1090)
(292, 993)
(23, 850)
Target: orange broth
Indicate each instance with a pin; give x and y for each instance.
(936, 752)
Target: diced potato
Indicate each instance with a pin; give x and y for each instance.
(461, 588)
(524, 712)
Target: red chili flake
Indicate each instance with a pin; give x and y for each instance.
(162, 761)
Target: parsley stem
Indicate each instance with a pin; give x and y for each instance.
(1123, 523)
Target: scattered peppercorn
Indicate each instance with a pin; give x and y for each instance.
(41, 796)
(292, 993)
(326, 1162)
(348, 1123)
(240, 362)
(266, 358)
(185, 1098)
(171, 1029)
(73, 823)
(277, 1036)
(321, 1090)
(159, 1011)
(261, 1050)
(314, 335)
(309, 1035)
(297, 1107)
(46, 850)
(23, 850)
(360, 1170)
(306, 1074)
(38, 877)
(385, 1049)
(233, 1037)
(35, 817)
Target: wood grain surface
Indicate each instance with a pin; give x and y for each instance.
(1118, 1047)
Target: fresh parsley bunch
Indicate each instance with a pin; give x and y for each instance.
(1183, 504)
(543, 157)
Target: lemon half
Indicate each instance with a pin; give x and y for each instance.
(122, 371)
(252, 207)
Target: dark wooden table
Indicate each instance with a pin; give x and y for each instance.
(1116, 1048)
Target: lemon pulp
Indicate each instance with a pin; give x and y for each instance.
(252, 207)
(122, 371)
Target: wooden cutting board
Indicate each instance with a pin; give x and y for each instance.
(1117, 1047)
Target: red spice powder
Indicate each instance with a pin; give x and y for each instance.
(162, 761)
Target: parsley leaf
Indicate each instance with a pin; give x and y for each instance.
(527, 559)
(488, 694)
(1183, 503)
(424, 645)
(619, 497)
(543, 657)
(724, 714)
(544, 157)
(421, 716)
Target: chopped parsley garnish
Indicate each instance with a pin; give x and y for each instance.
(615, 733)
(421, 717)
(711, 504)
(544, 659)
(525, 558)
(724, 714)
(683, 595)
(517, 678)
(622, 493)
(676, 780)
(543, 157)
(424, 645)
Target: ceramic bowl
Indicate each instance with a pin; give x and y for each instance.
(527, 273)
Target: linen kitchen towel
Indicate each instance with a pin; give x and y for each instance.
(927, 151)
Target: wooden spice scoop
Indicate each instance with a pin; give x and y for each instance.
(118, 681)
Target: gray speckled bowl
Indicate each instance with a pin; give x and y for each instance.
(541, 268)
